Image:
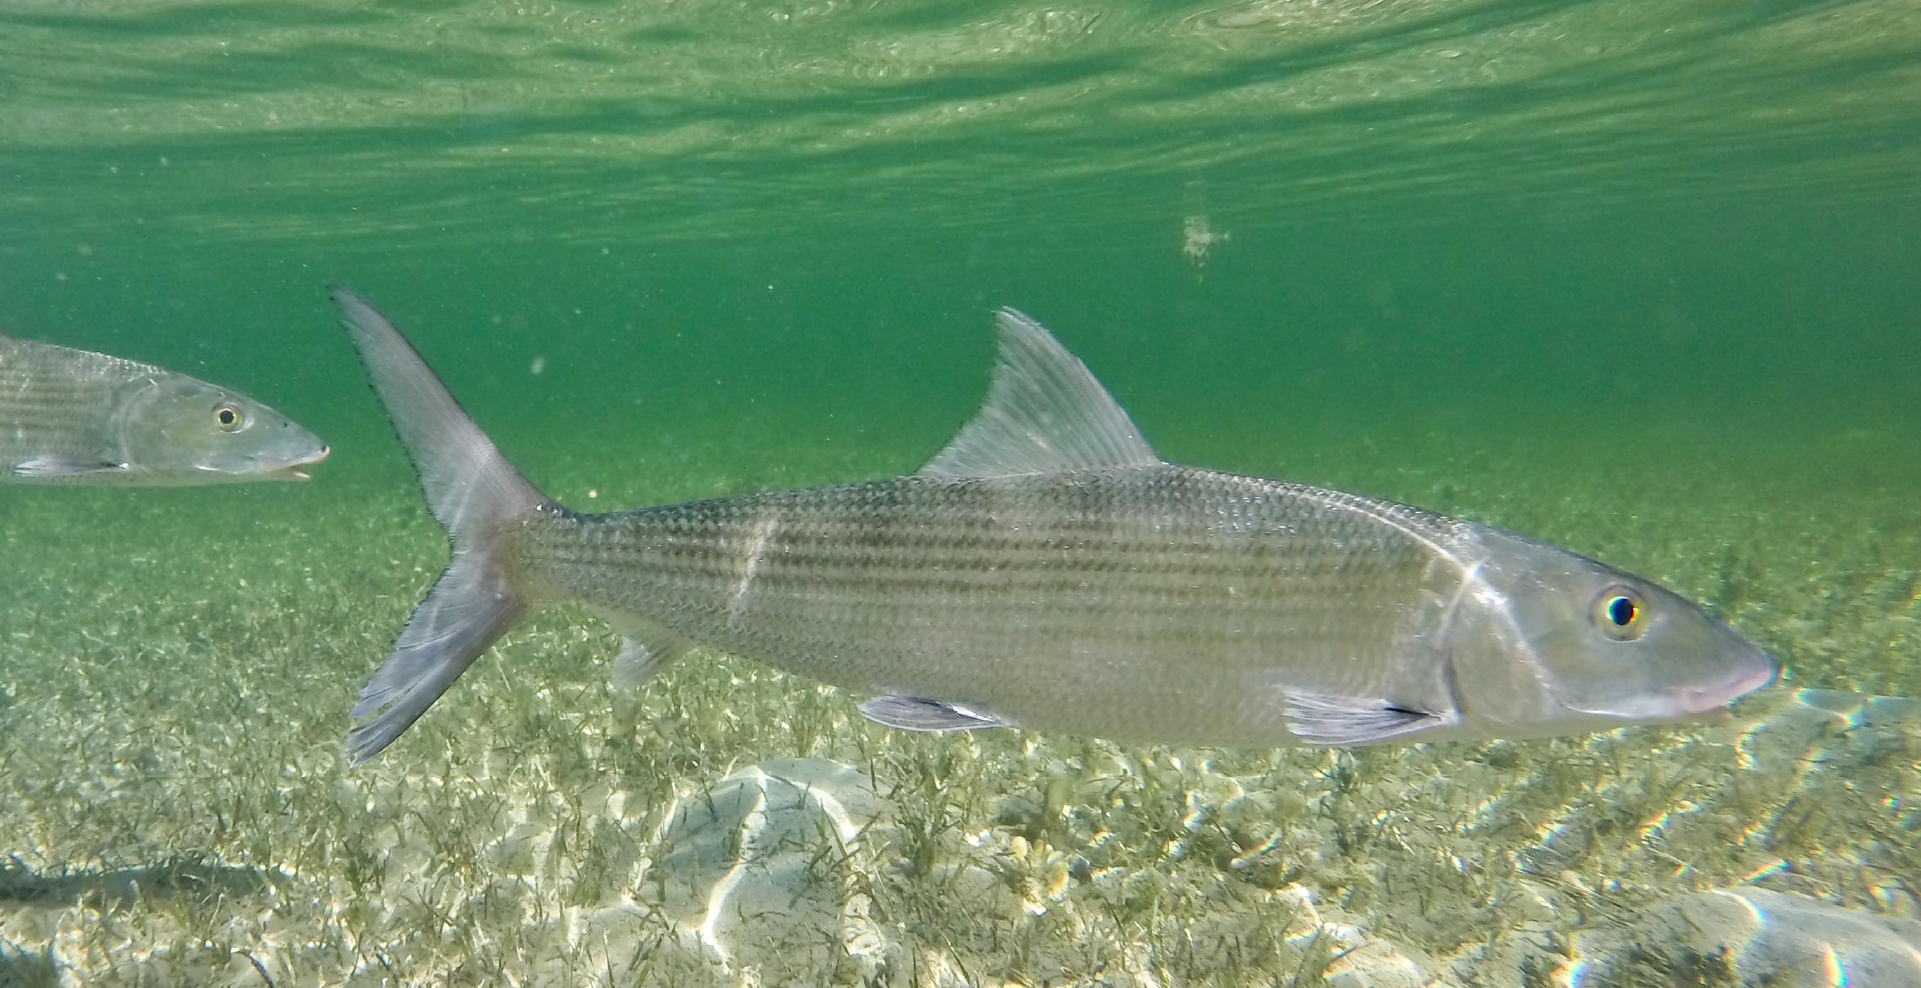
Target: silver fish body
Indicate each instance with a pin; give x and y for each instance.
(1046, 571)
(79, 417)
(1142, 603)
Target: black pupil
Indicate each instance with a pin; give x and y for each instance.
(1621, 611)
(226, 416)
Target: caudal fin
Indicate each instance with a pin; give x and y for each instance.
(475, 494)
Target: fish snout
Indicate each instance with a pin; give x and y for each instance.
(296, 469)
(1710, 699)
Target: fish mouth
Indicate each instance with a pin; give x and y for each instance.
(297, 470)
(1716, 700)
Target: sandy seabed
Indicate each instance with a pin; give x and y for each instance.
(178, 812)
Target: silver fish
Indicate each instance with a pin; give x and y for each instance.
(78, 417)
(1047, 571)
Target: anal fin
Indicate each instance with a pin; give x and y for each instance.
(912, 713)
(644, 650)
(1336, 721)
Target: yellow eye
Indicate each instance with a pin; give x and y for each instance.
(228, 418)
(1621, 613)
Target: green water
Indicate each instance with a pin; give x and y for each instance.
(1638, 278)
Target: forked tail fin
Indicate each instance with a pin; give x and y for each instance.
(475, 494)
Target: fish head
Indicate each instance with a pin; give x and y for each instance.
(180, 430)
(1593, 647)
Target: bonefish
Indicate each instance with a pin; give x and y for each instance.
(72, 416)
(1047, 571)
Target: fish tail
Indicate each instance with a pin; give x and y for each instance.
(476, 495)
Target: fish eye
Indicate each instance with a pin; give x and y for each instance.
(227, 417)
(1621, 613)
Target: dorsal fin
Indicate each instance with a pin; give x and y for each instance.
(1045, 413)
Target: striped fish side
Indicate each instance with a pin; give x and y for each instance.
(58, 401)
(1131, 583)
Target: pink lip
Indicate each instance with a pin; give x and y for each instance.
(1710, 700)
(297, 470)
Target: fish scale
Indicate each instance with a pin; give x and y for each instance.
(989, 589)
(50, 397)
(1048, 571)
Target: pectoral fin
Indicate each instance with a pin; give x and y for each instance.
(1337, 721)
(909, 713)
(54, 468)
